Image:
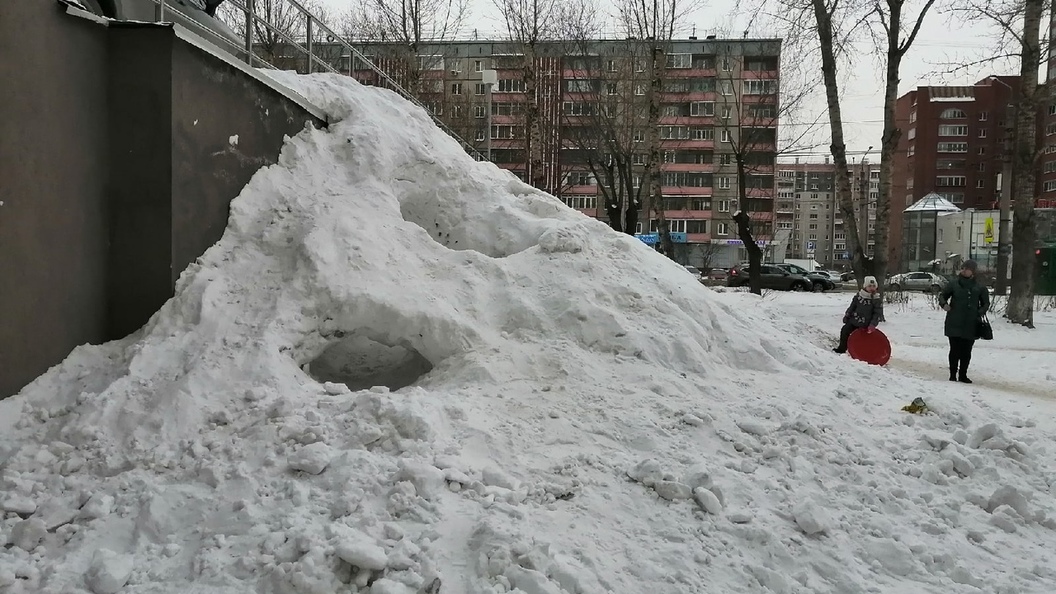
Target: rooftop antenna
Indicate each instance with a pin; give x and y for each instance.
(475, 34)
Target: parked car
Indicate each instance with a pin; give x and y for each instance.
(771, 277)
(847, 276)
(818, 281)
(916, 281)
(695, 272)
(718, 274)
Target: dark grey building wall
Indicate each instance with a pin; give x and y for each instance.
(53, 167)
(115, 173)
(140, 86)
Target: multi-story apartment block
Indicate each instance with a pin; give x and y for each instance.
(808, 207)
(953, 143)
(589, 142)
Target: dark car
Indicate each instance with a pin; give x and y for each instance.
(818, 282)
(771, 277)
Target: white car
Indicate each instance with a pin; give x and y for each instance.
(928, 282)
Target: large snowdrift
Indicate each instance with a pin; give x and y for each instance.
(575, 413)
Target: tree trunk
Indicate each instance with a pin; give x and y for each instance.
(888, 145)
(744, 229)
(533, 133)
(838, 147)
(656, 192)
(1024, 164)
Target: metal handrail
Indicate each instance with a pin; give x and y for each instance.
(312, 22)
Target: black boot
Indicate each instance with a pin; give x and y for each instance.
(963, 379)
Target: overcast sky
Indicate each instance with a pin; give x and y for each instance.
(942, 41)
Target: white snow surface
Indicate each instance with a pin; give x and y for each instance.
(541, 361)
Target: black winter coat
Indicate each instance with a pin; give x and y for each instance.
(968, 301)
(865, 310)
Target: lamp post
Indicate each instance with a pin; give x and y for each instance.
(489, 78)
(1004, 239)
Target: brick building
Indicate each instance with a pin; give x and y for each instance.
(718, 100)
(807, 206)
(953, 143)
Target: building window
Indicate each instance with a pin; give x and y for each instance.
(701, 204)
(680, 60)
(480, 89)
(456, 88)
(612, 66)
(638, 136)
(456, 66)
(726, 112)
(502, 132)
(639, 89)
(722, 228)
(982, 132)
(726, 87)
(954, 197)
(983, 116)
(814, 216)
(727, 159)
(512, 85)
(581, 202)
(953, 147)
(813, 226)
(950, 130)
(982, 150)
(638, 159)
(953, 114)
(480, 111)
(579, 178)
(812, 236)
(456, 111)
(722, 206)
(430, 62)
(913, 116)
(980, 183)
(980, 166)
(480, 135)
(760, 87)
(702, 108)
(478, 65)
(911, 134)
(725, 136)
(1050, 129)
(611, 88)
(674, 132)
(950, 181)
(724, 183)
(726, 64)
(1050, 186)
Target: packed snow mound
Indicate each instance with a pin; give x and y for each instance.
(402, 371)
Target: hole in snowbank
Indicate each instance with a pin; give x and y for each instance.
(361, 363)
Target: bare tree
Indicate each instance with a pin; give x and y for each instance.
(750, 108)
(279, 22)
(603, 132)
(531, 24)
(1018, 24)
(1025, 156)
(653, 22)
(890, 14)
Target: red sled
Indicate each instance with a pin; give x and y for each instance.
(874, 349)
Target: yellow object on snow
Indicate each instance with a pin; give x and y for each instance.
(917, 407)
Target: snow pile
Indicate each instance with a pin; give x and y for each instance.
(574, 414)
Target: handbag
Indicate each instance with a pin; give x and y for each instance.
(983, 329)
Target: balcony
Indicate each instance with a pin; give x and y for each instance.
(700, 215)
(685, 191)
(686, 143)
(688, 167)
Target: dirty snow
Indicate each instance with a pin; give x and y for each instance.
(403, 372)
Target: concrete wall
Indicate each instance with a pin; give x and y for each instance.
(53, 171)
(116, 173)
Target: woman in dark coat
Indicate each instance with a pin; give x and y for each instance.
(966, 302)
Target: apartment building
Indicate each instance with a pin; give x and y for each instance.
(719, 106)
(808, 207)
(954, 144)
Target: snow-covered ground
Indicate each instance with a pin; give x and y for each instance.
(590, 419)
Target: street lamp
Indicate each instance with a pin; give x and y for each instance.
(489, 78)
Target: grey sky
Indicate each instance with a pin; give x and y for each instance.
(941, 41)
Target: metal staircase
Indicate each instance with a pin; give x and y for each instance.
(245, 14)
